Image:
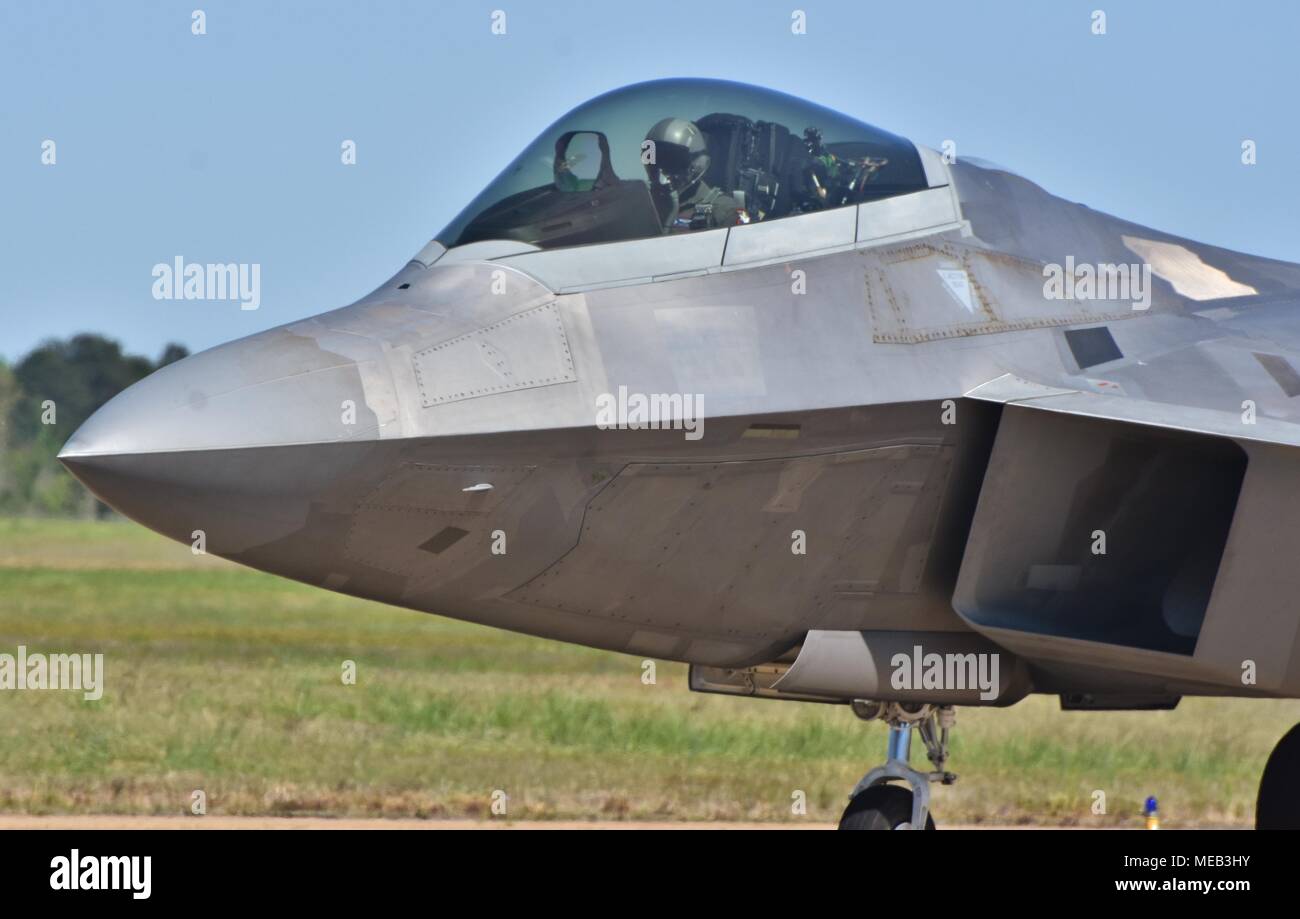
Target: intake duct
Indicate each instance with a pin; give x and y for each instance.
(1099, 531)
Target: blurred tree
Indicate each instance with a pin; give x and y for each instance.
(68, 380)
(8, 396)
(47, 396)
(171, 354)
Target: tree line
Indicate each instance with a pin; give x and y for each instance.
(44, 398)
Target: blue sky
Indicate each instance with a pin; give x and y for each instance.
(225, 147)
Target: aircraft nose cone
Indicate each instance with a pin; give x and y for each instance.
(271, 389)
(228, 441)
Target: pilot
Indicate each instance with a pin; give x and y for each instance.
(680, 157)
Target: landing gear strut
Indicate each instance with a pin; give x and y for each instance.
(1278, 804)
(877, 805)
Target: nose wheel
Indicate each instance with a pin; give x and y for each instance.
(875, 803)
(881, 807)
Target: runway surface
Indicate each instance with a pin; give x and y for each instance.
(113, 822)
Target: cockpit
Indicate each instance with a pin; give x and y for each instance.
(678, 156)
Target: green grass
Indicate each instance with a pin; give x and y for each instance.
(227, 680)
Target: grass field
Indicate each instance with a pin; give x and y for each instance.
(227, 680)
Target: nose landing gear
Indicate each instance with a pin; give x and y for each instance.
(877, 805)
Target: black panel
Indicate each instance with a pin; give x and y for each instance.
(1118, 702)
(1092, 346)
(444, 540)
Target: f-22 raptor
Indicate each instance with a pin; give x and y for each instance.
(716, 375)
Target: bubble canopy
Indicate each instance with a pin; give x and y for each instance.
(593, 176)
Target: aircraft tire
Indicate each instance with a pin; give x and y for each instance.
(1278, 804)
(881, 807)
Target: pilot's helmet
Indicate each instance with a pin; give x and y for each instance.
(680, 156)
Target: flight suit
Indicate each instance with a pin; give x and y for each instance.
(707, 208)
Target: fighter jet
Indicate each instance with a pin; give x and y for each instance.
(716, 375)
